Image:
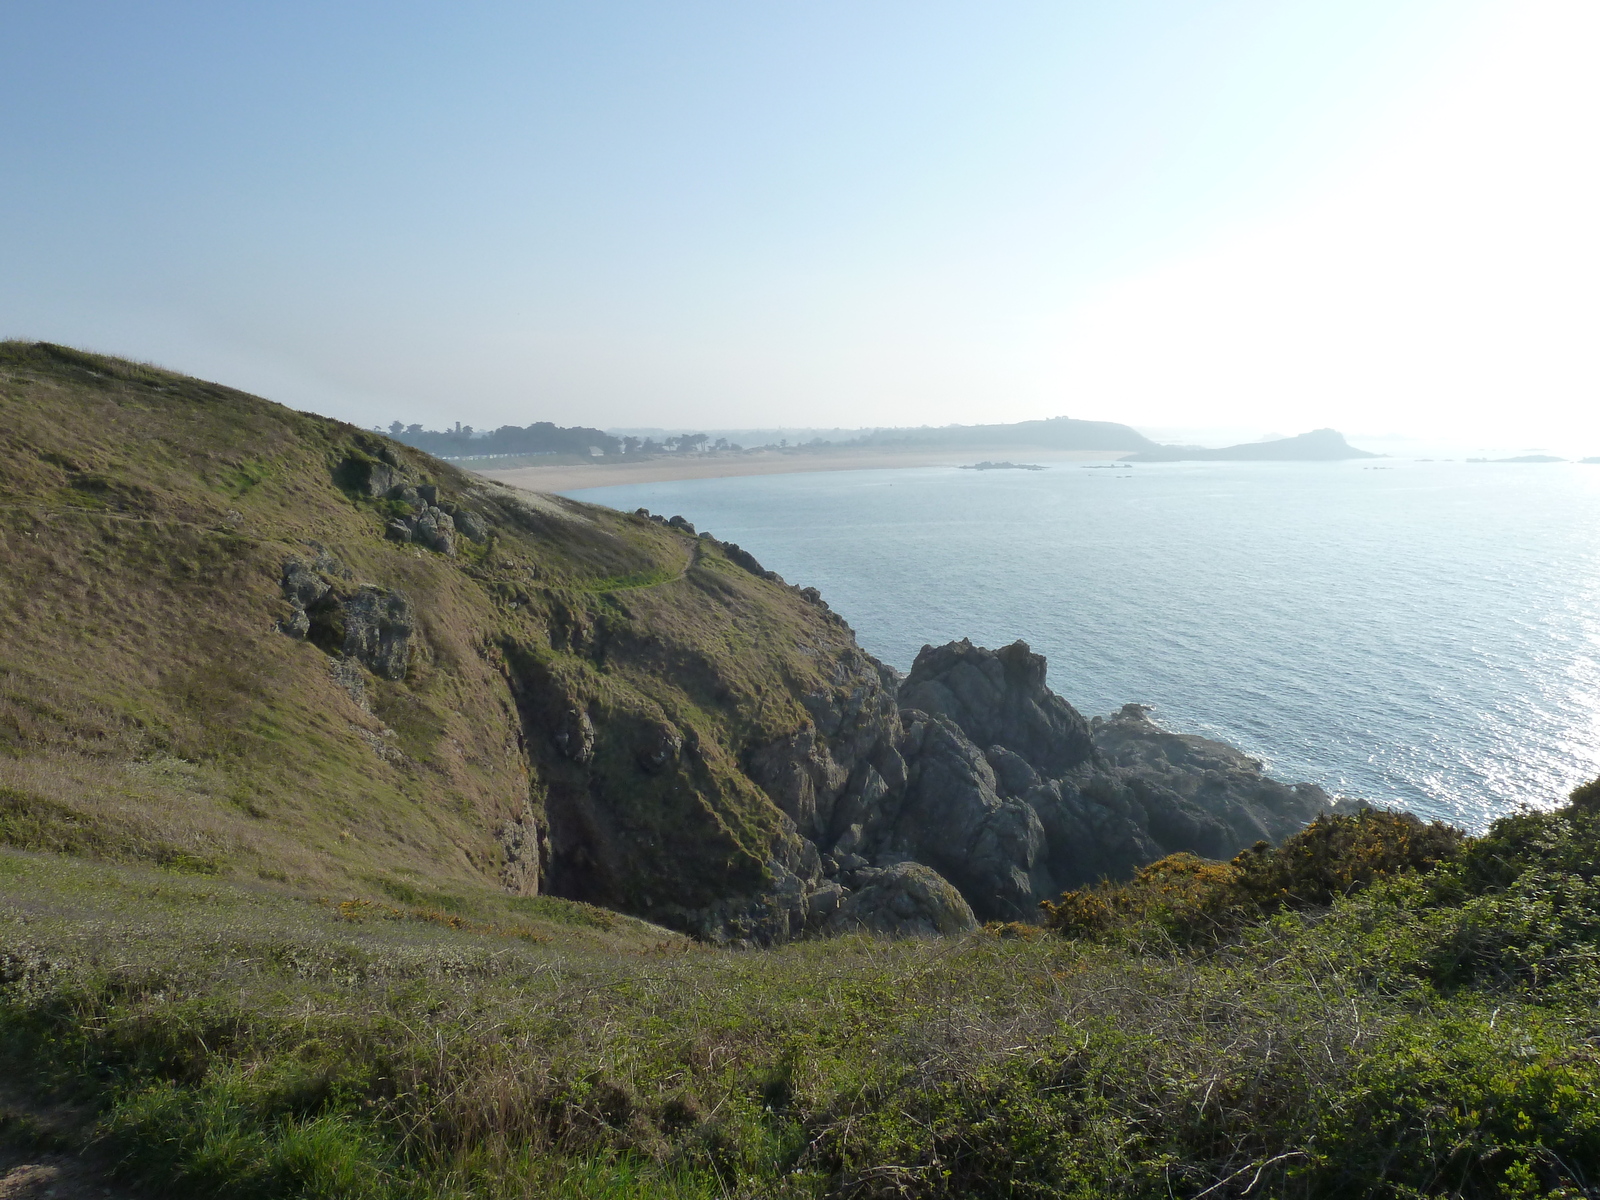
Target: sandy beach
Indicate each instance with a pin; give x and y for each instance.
(773, 462)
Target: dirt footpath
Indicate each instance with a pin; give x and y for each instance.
(52, 1177)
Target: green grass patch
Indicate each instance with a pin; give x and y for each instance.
(29, 822)
(630, 581)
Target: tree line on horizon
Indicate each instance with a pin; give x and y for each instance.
(545, 437)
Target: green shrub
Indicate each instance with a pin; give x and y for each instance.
(1338, 855)
(1188, 897)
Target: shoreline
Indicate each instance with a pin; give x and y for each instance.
(574, 478)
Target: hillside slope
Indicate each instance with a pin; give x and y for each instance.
(238, 639)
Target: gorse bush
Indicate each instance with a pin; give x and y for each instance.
(1189, 897)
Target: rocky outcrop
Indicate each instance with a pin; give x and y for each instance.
(1231, 799)
(425, 518)
(378, 628)
(966, 791)
(998, 698)
(369, 625)
(973, 770)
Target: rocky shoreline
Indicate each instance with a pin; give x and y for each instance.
(968, 791)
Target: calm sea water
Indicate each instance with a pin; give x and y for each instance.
(1422, 634)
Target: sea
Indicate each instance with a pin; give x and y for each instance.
(1419, 634)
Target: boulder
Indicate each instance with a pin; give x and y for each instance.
(369, 476)
(575, 735)
(907, 899)
(660, 747)
(471, 526)
(302, 585)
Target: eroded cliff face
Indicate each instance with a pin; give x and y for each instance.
(970, 768)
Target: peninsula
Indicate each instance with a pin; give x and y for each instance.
(1320, 445)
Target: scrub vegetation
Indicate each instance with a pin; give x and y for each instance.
(263, 932)
(1428, 1030)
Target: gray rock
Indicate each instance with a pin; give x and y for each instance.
(435, 530)
(397, 531)
(953, 818)
(999, 698)
(575, 735)
(378, 628)
(905, 900)
(1013, 776)
(370, 477)
(1199, 791)
(824, 901)
(527, 849)
(347, 674)
(471, 526)
(302, 585)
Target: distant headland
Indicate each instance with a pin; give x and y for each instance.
(1320, 445)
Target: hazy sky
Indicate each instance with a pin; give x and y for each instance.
(1373, 214)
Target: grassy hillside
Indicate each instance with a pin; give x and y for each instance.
(152, 710)
(1431, 1031)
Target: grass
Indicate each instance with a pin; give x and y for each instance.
(1430, 1032)
(149, 518)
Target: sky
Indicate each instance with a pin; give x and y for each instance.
(1375, 215)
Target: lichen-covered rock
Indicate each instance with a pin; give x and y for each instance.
(526, 849)
(305, 588)
(436, 530)
(371, 476)
(378, 628)
(302, 585)
(906, 899)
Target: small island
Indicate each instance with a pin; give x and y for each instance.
(1003, 466)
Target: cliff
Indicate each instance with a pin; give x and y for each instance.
(251, 642)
